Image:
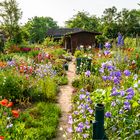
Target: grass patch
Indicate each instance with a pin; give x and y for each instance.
(41, 124)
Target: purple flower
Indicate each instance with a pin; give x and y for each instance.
(122, 93)
(70, 130)
(113, 103)
(116, 81)
(127, 105)
(120, 40)
(106, 52)
(85, 136)
(118, 74)
(81, 125)
(76, 112)
(70, 121)
(90, 111)
(129, 97)
(130, 90)
(110, 67)
(88, 126)
(127, 73)
(82, 96)
(120, 111)
(87, 93)
(82, 90)
(108, 114)
(104, 78)
(101, 70)
(107, 45)
(79, 129)
(115, 93)
(87, 73)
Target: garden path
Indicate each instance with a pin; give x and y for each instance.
(64, 101)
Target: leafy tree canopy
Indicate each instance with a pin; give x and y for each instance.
(10, 15)
(84, 21)
(38, 26)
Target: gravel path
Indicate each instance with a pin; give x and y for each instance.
(64, 101)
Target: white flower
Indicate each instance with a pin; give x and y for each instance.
(64, 135)
(135, 85)
(8, 118)
(61, 128)
(9, 126)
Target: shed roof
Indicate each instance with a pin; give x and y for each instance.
(65, 31)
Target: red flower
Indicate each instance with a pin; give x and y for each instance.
(1, 138)
(10, 104)
(4, 102)
(15, 113)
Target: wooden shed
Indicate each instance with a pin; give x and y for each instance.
(73, 38)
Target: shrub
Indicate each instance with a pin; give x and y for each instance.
(44, 89)
(13, 86)
(42, 121)
(61, 80)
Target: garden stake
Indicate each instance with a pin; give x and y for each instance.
(98, 125)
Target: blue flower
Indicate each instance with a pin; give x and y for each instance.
(87, 73)
(127, 73)
(104, 78)
(85, 136)
(90, 111)
(118, 74)
(107, 45)
(82, 96)
(127, 105)
(108, 114)
(113, 103)
(122, 93)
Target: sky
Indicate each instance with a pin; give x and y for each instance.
(63, 10)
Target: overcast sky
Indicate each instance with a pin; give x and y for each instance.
(62, 10)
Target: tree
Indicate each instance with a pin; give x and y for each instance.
(84, 21)
(109, 24)
(129, 22)
(10, 15)
(38, 26)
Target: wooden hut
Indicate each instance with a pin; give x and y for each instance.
(73, 38)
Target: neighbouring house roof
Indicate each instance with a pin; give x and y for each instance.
(57, 33)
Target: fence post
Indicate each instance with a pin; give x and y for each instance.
(98, 125)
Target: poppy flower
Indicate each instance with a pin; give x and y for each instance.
(15, 113)
(1, 138)
(4, 102)
(10, 104)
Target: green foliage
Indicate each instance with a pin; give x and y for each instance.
(10, 15)
(38, 26)
(42, 121)
(58, 53)
(84, 21)
(44, 89)
(78, 53)
(125, 21)
(61, 80)
(13, 86)
(50, 42)
(130, 42)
